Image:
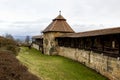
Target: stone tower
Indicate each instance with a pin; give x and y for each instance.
(56, 28)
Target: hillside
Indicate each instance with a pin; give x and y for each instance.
(55, 67)
(11, 69)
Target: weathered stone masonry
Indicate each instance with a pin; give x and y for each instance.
(49, 43)
(99, 49)
(107, 66)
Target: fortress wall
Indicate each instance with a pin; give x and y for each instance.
(35, 46)
(107, 66)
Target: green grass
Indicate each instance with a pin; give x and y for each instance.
(55, 67)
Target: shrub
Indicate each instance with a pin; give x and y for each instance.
(13, 48)
(11, 69)
(8, 44)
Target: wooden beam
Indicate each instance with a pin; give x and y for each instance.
(84, 43)
(92, 42)
(119, 43)
(102, 43)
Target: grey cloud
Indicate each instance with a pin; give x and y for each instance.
(25, 17)
(26, 29)
(89, 27)
(98, 11)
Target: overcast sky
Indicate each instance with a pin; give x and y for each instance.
(30, 17)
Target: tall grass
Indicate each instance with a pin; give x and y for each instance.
(55, 67)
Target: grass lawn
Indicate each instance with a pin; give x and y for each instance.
(55, 67)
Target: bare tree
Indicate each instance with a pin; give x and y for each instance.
(9, 36)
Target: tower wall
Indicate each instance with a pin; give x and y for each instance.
(49, 43)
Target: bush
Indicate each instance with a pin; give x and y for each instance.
(8, 44)
(13, 48)
(11, 69)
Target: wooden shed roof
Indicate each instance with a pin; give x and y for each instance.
(59, 24)
(37, 37)
(94, 33)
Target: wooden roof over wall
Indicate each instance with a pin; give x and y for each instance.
(37, 37)
(94, 33)
(59, 24)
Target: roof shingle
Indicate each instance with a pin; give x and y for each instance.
(59, 24)
(94, 33)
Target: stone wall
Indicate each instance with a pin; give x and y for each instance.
(49, 43)
(35, 46)
(107, 66)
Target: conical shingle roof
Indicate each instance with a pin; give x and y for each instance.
(59, 24)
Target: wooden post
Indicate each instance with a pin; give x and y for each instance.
(84, 43)
(102, 43)
(92, 42)
(119, 43)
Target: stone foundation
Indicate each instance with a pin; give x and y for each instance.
(35, 46)
(107, 66)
